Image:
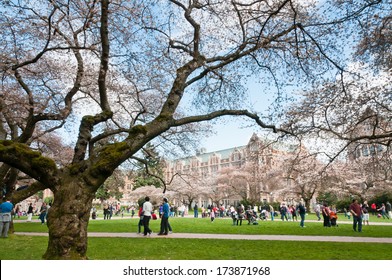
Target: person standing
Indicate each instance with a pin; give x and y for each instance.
(325, 211)
(240, 214)
(283, 212)
(356, 211)
(294, 212)
(365, 211)
(388, 209)
(317, 210)
(42, 213)
(212, 214)
(302, 213)
(147, 211)
(30, 212)
(132, 211)
(165, 218)
(272, 212)
(195, 211)
(5, 217)
(106, 211)
(374, 208)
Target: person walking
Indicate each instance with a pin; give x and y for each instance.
(165, 218)
(30, 212)
(141, 219)
(302, 212)
(5, 217)
(383, 211)
(356, 211)
(147, 211)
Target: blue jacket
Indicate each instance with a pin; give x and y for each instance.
(6, 207)
(166, 210)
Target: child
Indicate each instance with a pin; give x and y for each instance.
(212, 215)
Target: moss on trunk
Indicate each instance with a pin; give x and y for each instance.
(68, 221)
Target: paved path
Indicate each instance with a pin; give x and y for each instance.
(234, 237)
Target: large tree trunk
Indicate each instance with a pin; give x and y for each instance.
(68, 221)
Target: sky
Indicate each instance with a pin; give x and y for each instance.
(232, 131)
(229, 134)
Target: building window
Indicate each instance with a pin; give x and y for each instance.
(214, 168)
(236, 156)
(254, 147)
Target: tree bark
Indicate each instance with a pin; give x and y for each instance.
(68, 220)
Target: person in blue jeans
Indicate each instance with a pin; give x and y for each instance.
(165, 218)
(356, 211)
(196, 211)
(272, 212)
(302, 212)
(383, 211)
(5, 217)
(42, 214)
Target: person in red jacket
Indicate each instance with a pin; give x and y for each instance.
(141, 217)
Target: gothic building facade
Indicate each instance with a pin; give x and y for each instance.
(258, 156)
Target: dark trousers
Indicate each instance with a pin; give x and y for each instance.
(42, 217)
(327, 222)
(146, 224)
(357, 220)
(302, 223)
(164, 225)
(140, 224)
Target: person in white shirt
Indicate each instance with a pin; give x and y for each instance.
(147, 211)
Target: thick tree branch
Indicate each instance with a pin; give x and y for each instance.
(221, 113)
(30, 162)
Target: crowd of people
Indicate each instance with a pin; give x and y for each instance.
(358, 212)
(253, 214)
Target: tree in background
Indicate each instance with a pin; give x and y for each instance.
(149, 169)
(116, 75)
(112, 187)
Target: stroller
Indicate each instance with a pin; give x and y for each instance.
(251, 217)
(263, 215)
(333, 218)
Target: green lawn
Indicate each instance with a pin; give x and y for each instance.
(32, 248)
(223, 226)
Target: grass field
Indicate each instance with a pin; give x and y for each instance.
(32, 248)
(224, 226)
